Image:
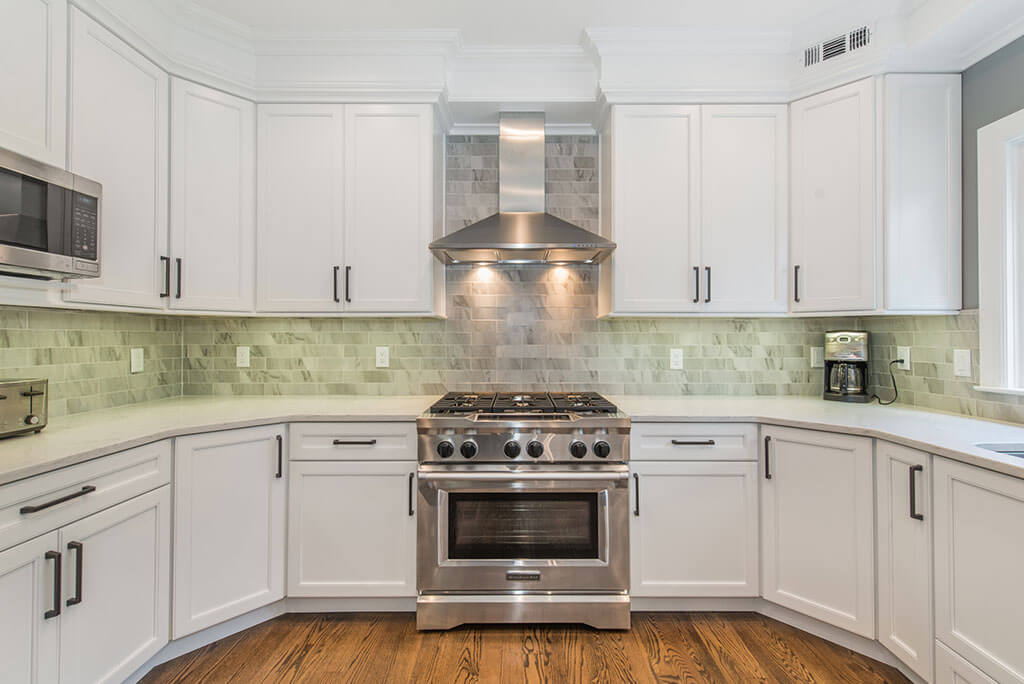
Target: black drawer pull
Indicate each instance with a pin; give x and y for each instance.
(354, 442)
(35, 509)
(767, 461)
(77, 548)
(693, 442)
(280, 456)
(636, 501)
(412, 478)
(913, 493)
(55, 611)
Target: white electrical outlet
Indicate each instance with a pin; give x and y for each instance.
(241, 357)
(817, 357)
(137, 360)
(903, 353)
(962, 363)
(383, 357)
(675, 359)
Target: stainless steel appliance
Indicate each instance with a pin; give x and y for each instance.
(846, 366)
(22, 406)
(49, 220)
(523, 510)
(521, 232)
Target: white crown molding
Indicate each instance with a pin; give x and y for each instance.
(607, 42)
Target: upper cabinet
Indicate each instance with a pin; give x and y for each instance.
(213, 177)
(33, 117)
(118, 136)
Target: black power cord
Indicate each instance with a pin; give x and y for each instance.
(895, 390)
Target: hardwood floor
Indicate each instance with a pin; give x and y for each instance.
(661, 647)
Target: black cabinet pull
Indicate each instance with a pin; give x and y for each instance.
(32, 393)
(177, 293)
(767, 461)
(55, 611)
(696, 284)
(796, 284)
(167, 276)
(913, 493)
(336, 297)
(636, 501)
(280, 456)
(77, 598)
(348, 273)
(35, 509)
(354, 442)
(707, 295)
(412, 477)
(693, 442)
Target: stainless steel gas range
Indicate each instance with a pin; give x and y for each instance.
(523, 510)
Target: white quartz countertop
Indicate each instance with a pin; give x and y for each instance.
(938, 433)
(70, 440)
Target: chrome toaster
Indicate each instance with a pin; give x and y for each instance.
(22, 406)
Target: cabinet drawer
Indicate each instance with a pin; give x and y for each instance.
(105, 481)
(352, 442)
(693, 442)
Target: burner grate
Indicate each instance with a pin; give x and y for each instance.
(455, 403)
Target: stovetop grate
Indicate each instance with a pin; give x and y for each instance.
(455, 403)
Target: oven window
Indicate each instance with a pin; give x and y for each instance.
(22, 211)
(522, 525)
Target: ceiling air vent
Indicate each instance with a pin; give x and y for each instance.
(859, 38)
(812, 55)
(833, 48)
(838, 46)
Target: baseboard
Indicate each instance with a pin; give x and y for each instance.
(351, 605)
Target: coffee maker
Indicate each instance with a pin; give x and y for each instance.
(846, 366)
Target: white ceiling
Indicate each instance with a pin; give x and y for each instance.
(523, 22)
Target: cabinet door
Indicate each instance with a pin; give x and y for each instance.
(833, 243)
(229, 525)
(817, 504)
(905, 555)
(388, 208)
(33, 48)
(119, 617)
(213, 176)
(670, 554)
(300, 210)
(952, 669)
(28, 640)
(655, 186)
(352, 529)
(979, 606)
(118, 136)
(745, 207)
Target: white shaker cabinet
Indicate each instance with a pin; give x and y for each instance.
(33, 114)
(352, 529)
(979, 604)
(903, 482)
(211, 266)
(29, 636)
(118, 136)
(229, 524)
(952, 669)
(817, 512)
(833, 241)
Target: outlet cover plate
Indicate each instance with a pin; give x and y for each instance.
(675, 359)
(817, 357)
(242, 357)
(383, 357)
(962, 363)
(137, 360)
(903, 353)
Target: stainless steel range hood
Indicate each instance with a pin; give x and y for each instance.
(521, 232)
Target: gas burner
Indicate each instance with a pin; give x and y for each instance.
(585, 403)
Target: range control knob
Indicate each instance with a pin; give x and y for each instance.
(468, 449)
(535, 449)
(445, 449)
(578, 449)
(512, 449)
(602, 449)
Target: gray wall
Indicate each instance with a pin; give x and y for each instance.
(992, 89)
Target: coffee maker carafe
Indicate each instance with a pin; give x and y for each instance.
(846, 366)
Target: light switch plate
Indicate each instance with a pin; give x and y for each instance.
(817, 357)
(903, 353)
(962, 363)
(383, 357)
(675, 359)
(137, 360)
(241, 357)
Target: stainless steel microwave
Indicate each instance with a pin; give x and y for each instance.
(49, 220)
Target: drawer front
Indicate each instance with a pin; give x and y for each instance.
(352, 442)
(693, 442)
(45, 502)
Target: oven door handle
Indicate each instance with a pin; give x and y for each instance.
(508, 477)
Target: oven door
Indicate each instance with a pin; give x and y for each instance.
(506, 529)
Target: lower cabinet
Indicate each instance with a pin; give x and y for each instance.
(352, 529)
(979, 605)
(817, 512)
(88, 602)
(952, 669)
(229, 524)
(903, 481)
(693, 531)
